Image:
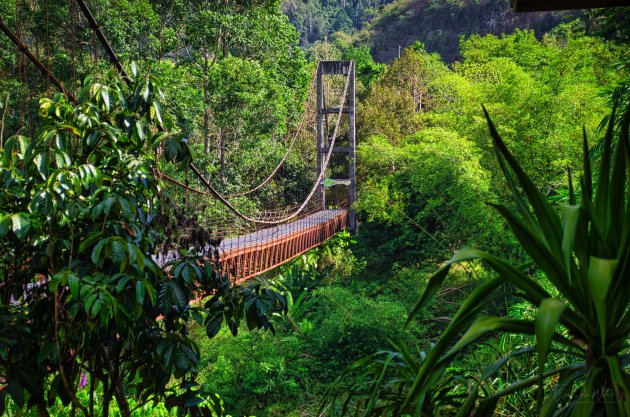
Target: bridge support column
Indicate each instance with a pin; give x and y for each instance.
(345, 68)
(352, 167)
(320, 131)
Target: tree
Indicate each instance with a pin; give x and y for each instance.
(81, 294)
(394, 104)
(255, 31)
(429, 190)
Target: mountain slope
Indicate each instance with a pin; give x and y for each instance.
(440, 23)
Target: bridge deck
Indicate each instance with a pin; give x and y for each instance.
(246, 256)
(249, 255)
(275, 233)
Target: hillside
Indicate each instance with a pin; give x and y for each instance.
(440, 23)
(317, 19)
(386, 25)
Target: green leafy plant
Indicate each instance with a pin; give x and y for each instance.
(81, 292)
(584, 319)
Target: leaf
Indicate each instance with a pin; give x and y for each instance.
(146, 91)
(109, 203)
(73, 282)
(168, 353)
(5, 224)
(119, 252)
(90, 301)
(172, 296)
(93, 138)
(599, 276)
(571, 215)
(89, 241)
(96, 307)
(158, 112)
(177, 270)
(96, 252)
(150, 291)
(140, 258)
(140, 291)
(24, 143)
(171, 148)
(134, 69)
(41, 203)
(127, 208)
(41, 162)
(546, 321)
(484, 325)
(186, 274)
(122, 283)
(104, 91)
(21, 224)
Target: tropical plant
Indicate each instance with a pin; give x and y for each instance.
(82, 297)
(584, 319)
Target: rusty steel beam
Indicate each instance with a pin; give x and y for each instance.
(42, 68)
(103, 40)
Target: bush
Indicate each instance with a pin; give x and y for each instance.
(347, 326)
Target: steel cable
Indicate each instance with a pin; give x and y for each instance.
(286, 154)
(243, 216)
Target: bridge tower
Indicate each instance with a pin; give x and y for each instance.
(347, 146)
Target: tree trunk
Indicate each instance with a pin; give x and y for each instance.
(206, 110)
(222, 153)
(107, 397)
(121, 398)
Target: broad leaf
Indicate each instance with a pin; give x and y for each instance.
(21, 224)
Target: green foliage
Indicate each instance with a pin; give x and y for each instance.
(81, 292)
(255, 374)
(610, 23)
(584, 318)
(429, 191)
(242, 98)
(394, 104)
(367, 70)
(539, 108)
(351, 326)
(539, 92)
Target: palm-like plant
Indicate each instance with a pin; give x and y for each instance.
(584, 252)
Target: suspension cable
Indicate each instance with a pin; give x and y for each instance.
(43, 69)
(223, 200)
(286, 154)
(114, 59)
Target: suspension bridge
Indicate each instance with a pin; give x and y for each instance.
(252, 231)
